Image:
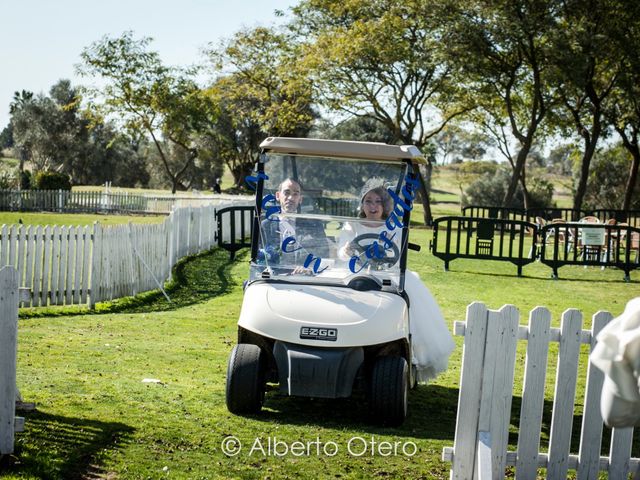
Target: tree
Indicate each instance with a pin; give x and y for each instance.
(56, 134)
(455, 144)
(21, 101)
(6, 137)
(586, 64)
(500, 49)
(358, 128)
(112, 156)
(144, 95)
(560, 159)
(381, 60)
(40, 133)
(623, 109)
(260, 92)
(608, 178)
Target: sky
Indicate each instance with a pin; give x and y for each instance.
(41, 40)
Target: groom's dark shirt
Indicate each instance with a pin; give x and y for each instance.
(309, 236)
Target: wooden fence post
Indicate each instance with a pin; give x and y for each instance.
(96, 265)
(8, 350)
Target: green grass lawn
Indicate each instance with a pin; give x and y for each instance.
(45, 218)
(96, 418)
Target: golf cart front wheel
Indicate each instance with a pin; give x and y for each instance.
(389, 390)
(245, 379)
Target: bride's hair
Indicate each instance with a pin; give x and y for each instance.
(387, 202)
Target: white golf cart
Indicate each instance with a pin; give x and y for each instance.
(314, 321)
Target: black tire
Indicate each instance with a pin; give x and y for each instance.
(389, 390)
(245, 379)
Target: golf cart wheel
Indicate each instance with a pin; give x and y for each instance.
(389, 390)
(245, 379)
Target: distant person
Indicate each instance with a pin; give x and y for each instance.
(216, 186)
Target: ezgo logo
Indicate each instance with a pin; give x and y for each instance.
(319, 333)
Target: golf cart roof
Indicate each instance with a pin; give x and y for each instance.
(343, 149)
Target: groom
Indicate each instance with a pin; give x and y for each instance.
(295, 238)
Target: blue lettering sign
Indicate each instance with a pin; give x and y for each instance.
(316, 263)
(374, 250)
(289, 241)
(388, 244)
(271, 209)
(252, 181)
(352, 264)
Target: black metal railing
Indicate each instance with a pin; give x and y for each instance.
(336, 206)
(630, 217)
(590, 244)
(503, 213)
(555, 244)
(483, 238)
(235, 228)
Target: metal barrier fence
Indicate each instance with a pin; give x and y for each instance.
(336, 206)
(504, 213)
(631, 217)
(521, 243)
(591, 244)
(235, 232)
(515, 241)
(506, 240)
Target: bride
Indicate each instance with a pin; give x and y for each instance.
(432, 342)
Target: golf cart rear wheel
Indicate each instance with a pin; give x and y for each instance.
(245, 379)
(389, 390)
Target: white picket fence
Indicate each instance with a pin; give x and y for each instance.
(480, 448)
(8, 349)
(104, 201)
(74, 265)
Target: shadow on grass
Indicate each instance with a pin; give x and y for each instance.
(432, 413)
(537, 277)
(57, 447)
(194, 279)
(576, 430)
(432, 416)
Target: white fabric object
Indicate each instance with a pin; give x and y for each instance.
(617, 354)
(431, 340)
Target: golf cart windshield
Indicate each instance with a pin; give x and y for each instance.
(312, 228)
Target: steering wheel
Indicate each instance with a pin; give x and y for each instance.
(362, 242)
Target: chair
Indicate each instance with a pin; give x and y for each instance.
(589, 219)
(612, 241)
(634, 244)
(591, 240)
(562, 234)
(541, 222)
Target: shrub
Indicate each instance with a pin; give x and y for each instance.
(490, 190)
(52, 181)
(7, 181)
